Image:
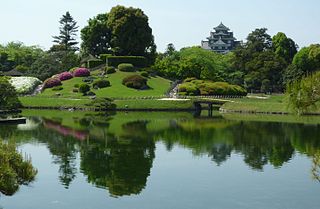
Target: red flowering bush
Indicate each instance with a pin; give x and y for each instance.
(81, 72)
(51, 82)
(65, 76)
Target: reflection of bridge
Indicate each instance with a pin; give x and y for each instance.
(199, 103)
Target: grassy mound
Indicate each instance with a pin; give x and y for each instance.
(158, 87)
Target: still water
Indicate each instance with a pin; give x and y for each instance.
(167, 161)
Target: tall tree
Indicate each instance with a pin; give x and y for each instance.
(96, 36)
(258, 40)
(68, 32)
(131, 33)
(284, 47)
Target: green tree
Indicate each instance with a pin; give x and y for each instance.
(304, 94)
(8, 96)
(68, 29)
(17, 54)
(131, 33)
(14, 170)
(304, 63)
(284, 47)
(96, 36)
(258, 40)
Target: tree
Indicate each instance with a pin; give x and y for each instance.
(258, 40)
(304, 63)
(170, 50)
(304, 94)
(96, 36)
(8, 96)
(68, 30)
(131, 33)
(284, 47)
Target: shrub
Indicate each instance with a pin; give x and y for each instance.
(189, 89)
(81, 72)
(24, 85)
(189, 79)
(76, 85)
(101, 84)
(126, 67)
(114, 61)
(75, 90)
(84, 88)
(57, 88)
(195, 87)
(95, 63)
(135, 81)
(52, 82)
(88, 80)
(110, 70)
(144, 74)
(65, 76)
(73, 69)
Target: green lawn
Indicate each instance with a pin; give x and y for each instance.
(158, 87)
(274, 103)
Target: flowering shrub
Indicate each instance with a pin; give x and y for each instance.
(24, 85)
(81, 72)
(51, 82)
(65, 76)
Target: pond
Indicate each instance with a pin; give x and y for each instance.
(167, 161)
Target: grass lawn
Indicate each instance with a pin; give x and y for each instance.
(53, 102)
(158, 87)
(274, 103)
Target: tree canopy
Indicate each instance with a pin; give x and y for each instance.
(96, 36)
(8, 96)
(68, 29)
(122, 31)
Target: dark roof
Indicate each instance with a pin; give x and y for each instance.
(221, 27)
(13, 72)
(219, 42)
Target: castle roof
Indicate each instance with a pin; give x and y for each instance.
(221, 27)
(219, 42)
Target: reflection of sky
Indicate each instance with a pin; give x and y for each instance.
(184, 23)
(178, 180)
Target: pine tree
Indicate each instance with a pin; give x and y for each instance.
(68, 29)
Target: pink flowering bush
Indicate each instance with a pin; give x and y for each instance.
(51, 82)
(65, 76)
(81, 72)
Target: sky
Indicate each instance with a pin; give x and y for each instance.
(181, 22)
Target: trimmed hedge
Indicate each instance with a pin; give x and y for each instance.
(135, 81)
(52, 82)
(81, 72)
(195, 87)
(95, 63)
(84, 88)
(126, 67)
(138, 61)
(144, 74)
(101, 84)
(110, 70)
(65, 76)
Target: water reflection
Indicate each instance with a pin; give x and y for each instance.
(116, 152)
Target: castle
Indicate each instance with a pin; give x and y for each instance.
(221, 40)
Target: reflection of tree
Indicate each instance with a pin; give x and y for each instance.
(64, 153)
(315, 170)
(220, 152)
(124, 162)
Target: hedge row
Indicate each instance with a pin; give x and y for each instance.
(194, 87)
(137, 61)
(95, 63)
